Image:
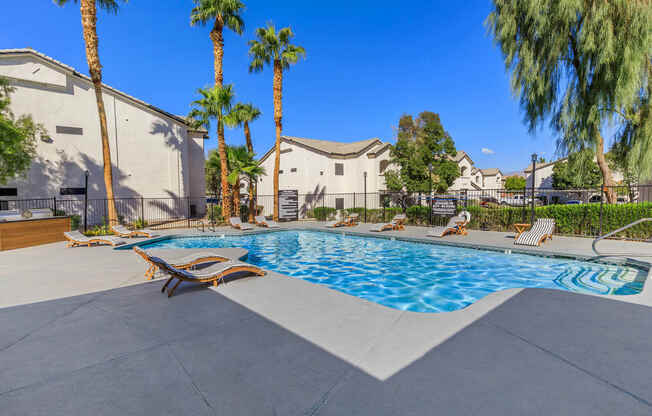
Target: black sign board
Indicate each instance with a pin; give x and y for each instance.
(8, 191)
(72, 191)
(288, 205)
(444, 206)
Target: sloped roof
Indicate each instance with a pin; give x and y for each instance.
(490, 171)
(543, 165)
(334, 148)
(461, 154)
(74, 72)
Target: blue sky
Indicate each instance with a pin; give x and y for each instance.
(367, 63)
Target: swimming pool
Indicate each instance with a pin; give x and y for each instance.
(412, 276)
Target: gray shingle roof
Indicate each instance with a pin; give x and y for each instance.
(334, 148)
(73, 71)
(490, 171)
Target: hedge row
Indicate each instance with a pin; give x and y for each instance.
(582, 220)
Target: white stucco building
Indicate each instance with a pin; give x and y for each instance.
(474, 179)
(316, 166)
(154, 154)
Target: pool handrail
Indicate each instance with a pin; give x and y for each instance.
(602, 237)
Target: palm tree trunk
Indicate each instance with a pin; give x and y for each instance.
(89, 20)
(217, 37)
(278, 120)
(250, 148)
(221, 149)
(604, 168)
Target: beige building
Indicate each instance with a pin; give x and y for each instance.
(474, 179)
(154, 154)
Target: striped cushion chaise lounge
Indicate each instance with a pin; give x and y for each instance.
(542, 230)
(122, 231)
(397, 224)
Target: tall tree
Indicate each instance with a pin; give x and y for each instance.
(215, 103)
(422, 143)
(578, 63)
(578, 171)
(213, 169)
(243, 114)
(242, 165)
(88, 10)
(272, 48)
(17, 137)
(221, 13)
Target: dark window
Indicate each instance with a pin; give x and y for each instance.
(8, 191)
(383, 166)
(339, 169)
(293, 170)
(70, 130)
(280, 172)
(72, 191)
(321, 173)
(4, 205)
(339, 203)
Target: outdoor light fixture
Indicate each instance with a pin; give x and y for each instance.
(534, 172)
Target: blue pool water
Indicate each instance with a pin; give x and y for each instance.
(412, 276)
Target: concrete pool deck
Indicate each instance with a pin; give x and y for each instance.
(80, 333)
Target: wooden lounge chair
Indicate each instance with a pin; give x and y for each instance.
(238, 224)
(541, 231)
(263, 222)
(124, 232)
(352, 219)
(397, 224)
(456, 225)
(76, 239)
(182, 263)
(214, 274)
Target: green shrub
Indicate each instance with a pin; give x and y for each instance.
(75, 220)
(215, 214)
(140, 224)
(322, 213)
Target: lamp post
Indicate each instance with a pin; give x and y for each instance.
(86, 201)
(534, 172)
(365, 196)
(430, 191)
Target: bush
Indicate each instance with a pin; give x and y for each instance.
(140, 224)
(75, 220)
(215, 214)
(323, 213)
(581, 219)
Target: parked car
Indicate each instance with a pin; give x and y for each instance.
(489, 202)
(573, 202)
(515, 201)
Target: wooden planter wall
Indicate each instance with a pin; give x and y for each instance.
(32, 232)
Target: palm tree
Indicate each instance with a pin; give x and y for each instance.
(88, 10)
(242, 164)
(215, 103)
(222, 13)
(273, 48)
(243, 114)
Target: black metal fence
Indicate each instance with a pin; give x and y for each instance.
(581, 212)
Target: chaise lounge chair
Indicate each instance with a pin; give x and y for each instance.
(456, 225)
(352, 219)
(337, 223)
(238, 224)
(397, 224)
(542, 230)
(263, 222)
(122, 231)
(182, 263)
(76, 239)
(212, 274)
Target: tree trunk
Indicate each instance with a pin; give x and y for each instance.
(604, 168)
(89, 20)
(226, 194)
(252, 202)
(217, 38)
(278, 120)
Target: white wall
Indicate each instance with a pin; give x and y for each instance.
(152, 154)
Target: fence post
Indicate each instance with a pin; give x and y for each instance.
(54, 204)
(188, 210)
(142, 210)
(602, 192)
